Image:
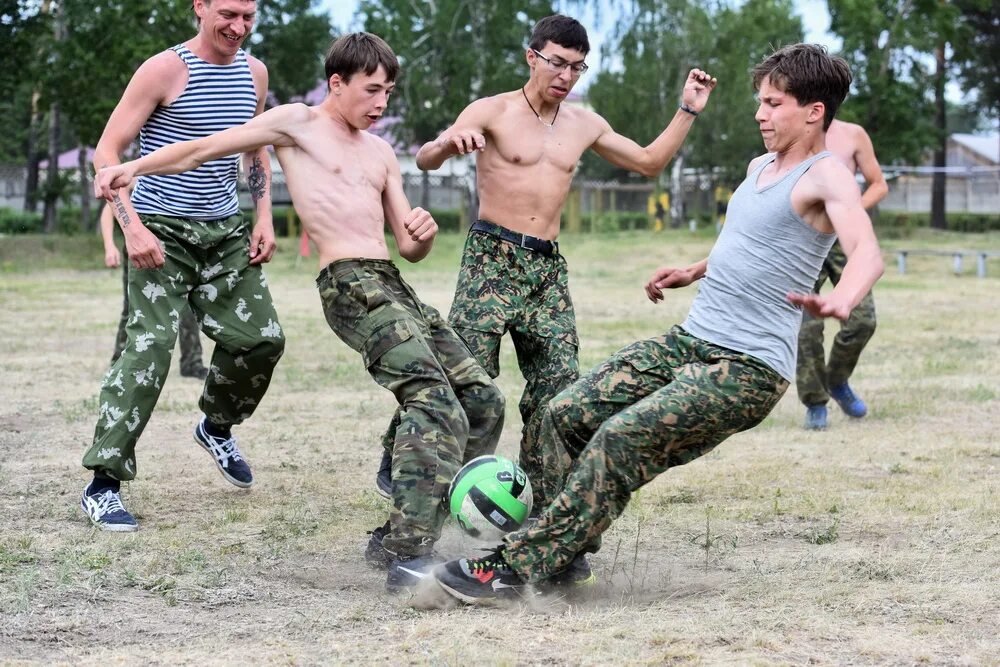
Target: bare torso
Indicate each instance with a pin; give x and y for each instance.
(840, 140)
(525, 171)
(336, 178)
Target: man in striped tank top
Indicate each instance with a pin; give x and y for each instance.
(667, 400)
(347, 188)
(189, 244)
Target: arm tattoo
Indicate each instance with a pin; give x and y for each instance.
(257, 180)
(120, 209)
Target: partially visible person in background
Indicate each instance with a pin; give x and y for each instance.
(818, 379)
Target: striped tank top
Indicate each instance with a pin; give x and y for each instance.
(216, 98)
(765, 251)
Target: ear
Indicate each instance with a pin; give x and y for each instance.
(336, 83)
(199, 9)
(530, 57)
(817, 110)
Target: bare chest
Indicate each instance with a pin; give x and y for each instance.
(520, 143)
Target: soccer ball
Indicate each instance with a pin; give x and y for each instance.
(489, 497)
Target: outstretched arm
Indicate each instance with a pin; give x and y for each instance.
(266, 129)
(668, 277)
(651, 160)
(466, 135)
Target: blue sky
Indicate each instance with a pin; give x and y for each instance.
(815, 18)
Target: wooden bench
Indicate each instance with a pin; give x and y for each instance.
(956, 255)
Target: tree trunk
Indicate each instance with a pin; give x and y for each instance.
(939, 182)
(31, 179)
(52, 174)
(85, 192)
(425, 190)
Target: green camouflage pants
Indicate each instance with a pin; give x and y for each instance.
(505, 288)
(449, 409)
(206, 266)
(655, 404)
(814, 375)
(187, 331)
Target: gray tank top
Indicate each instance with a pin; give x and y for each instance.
(765, 251)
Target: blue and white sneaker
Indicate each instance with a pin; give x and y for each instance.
(226, 453)
(105, 510)
(849, 401)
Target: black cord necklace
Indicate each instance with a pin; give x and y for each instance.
(537, 115)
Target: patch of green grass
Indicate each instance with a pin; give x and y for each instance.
(826, 535)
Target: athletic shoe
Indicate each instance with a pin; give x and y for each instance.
(849, 401)
(105, 510)
(383, 478)
(576, 575)
(815, 418)
(377, 555)
(480, 580)
(227, 456)
(406, 572)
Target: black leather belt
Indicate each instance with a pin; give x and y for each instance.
(523, 240)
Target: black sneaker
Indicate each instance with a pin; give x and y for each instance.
(576, 575)
(105, 510)
(383, 478)
(406, 572)
(227, 456)
(480, 580)
(377, 555)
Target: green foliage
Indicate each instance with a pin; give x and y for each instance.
(977, 53)
(656, 44)
(900, 223)
(292, 38)
(19, 222)
(103, 43)
(448, 221)
(451, 52)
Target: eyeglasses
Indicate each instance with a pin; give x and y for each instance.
(558, 64)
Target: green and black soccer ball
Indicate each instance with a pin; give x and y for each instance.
(489, 497)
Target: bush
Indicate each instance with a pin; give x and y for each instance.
(449, 220)
(19, 222)
(900, 222)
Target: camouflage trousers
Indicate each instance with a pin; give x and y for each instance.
(814, 374)
(655, 404)
(187, 333)
(206, 266)
(502, 288)
(449, 409)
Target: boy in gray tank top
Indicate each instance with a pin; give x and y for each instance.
(667, 400)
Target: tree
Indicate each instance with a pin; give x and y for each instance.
(977, 54)
(653, 47)
(291, 38)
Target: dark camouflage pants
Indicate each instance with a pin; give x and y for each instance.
(655, 404)
(187, 332)
(206, 266)
(814, 375)
(450, 410)
(505, 288)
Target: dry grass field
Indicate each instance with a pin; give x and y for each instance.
(875, 542)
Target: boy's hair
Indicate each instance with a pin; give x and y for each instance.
(360, 52)
(809, 74)
(562, 30)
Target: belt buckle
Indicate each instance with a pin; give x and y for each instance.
(524, 241)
